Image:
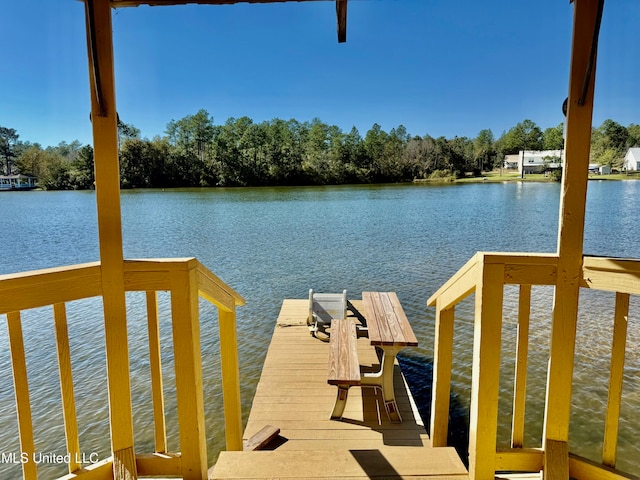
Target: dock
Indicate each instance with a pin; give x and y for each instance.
(294, 396)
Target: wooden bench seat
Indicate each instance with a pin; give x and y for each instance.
(344, 367)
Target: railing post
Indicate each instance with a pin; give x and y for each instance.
(188, 365)
(105, 145)
(485, 380)
(442, 363)
(230, 378)
(570, 237)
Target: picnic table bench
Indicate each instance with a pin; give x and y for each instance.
(389, 331)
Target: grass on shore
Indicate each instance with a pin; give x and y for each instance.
(510, 176)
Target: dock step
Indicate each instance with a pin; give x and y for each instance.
(384, 462)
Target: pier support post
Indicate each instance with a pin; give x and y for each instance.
(105, 144)
(571, 234)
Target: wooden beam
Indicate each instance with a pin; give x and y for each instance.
(136, 3)
(105, 145)
(341, 14)
(571, 225)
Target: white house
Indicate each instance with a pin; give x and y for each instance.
(537, 161)
(511, 161)
(632, 160)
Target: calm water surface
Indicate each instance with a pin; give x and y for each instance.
(275, 243)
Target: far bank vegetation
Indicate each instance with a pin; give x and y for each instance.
(195, 152)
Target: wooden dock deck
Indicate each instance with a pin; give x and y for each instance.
(294, 396)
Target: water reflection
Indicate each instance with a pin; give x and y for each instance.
(275, 243)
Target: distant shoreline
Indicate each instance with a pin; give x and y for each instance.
(496, 177)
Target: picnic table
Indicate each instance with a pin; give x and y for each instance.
(388, 330)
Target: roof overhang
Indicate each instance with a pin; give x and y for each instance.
(341, 8)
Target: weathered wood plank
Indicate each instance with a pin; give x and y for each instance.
(407, 331)
(386, 320)
(261, 439)
(391, 317)
(344, 368)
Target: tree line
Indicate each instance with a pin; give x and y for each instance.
(194, 151)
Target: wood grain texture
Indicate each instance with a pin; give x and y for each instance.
(344, 368)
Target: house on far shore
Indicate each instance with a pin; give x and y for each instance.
(17, 182)
(632, 160)
(511, 161)
(539, 161)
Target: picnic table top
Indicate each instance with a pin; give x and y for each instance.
(386, 321)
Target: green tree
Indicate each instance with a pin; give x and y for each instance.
(8, 142)
(609, 143)
(526, 135)
(634, 135)
(192, 138)
(553, 138)
(484, 150)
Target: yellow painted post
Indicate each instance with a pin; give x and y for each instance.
(442, 362)
(615, 380)
(66, 386)
(155, 364)
(188, 365)
(570, 236)
(485, 379)
(105, 145)
(230, 378)
(23, 403)
(522, 355)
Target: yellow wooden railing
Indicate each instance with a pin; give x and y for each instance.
(486, 274)
(185, 279)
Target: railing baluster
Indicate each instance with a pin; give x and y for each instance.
(442, 363)
(230, 378)
(522, 354)
(615, 379)
(155, 363)
(66, 386)
(23, 404)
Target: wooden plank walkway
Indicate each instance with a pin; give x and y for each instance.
(294, 396)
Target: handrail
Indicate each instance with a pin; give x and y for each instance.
(185, 279)
(485, 274)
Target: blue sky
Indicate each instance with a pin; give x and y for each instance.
(440, 67)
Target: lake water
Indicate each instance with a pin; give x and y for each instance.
(276, 243)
